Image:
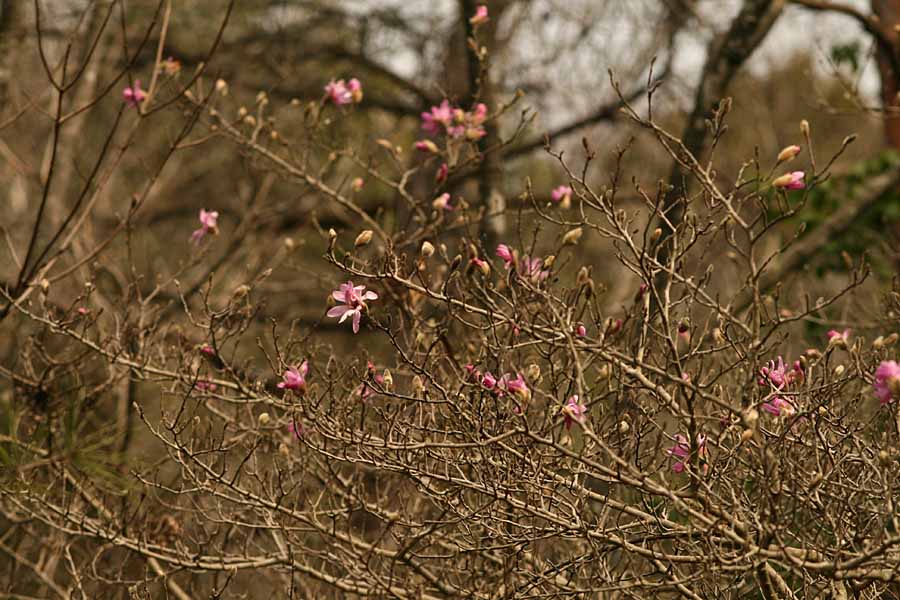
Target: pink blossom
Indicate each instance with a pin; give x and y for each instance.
(516, 386)
(505, 254)
(427, 146)
(887, 381)
(480, 17)
(838, 338)
(442, 173)
(442, 202)
(479, 115)
(681, 451)
(775, 374)
(439, 115)
(532, 268)
(341, 93)
(295, 378)
(134, 95)
(778, 406)
(481, 265)
(580, 331)
(790, 181)
(208, 225)
(489, 381)
(354, 303)
(561, 194)
(206, 386)
(574, 412)
(83, 311)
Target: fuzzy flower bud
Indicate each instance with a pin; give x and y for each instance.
(363, 238)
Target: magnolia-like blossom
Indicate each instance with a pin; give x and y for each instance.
(681, 451)
(790, 181)
(488, 381)
(838, 338)
(505, 254)
(354, 303)
(208, 225)
(439, 115)
(532, 268)
(887, 381)
(427, 146)
(442, 202)
(442, 172)
(480, 17)
(481, 265)
(516, 386)
(779, 406)
(574, 412)
(295, 378)
(774, 373)
(342, 93)
(134, 95)
(562, 194)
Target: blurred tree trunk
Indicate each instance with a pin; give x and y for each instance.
(12, 34)
(888, 12)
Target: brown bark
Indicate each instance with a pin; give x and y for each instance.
(888, 12)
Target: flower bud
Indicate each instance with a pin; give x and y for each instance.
(263, 418)
(222, 87)
(283, 450)
(839, 370)
(624, 427)
(583, 276)
(657, 233)
(427, 146)
(387, 380)
(363, 238)
(332, 234)
(533, 372)
(804, 128)
(746, 435)
(427, 249)
(878, 343)
(357, 184)
(572, 237)
(891, 340)
(884, 456)
(603, 372)
(788, 153)
(548, 262)
(418, 386)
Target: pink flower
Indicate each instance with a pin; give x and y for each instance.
(562, 194)
(505, 254)
(778, 406)
(790, 181)
(442, 173)
(681, 451)
(887, 381)
(488, 381)
(838, 338)
(341, 93)
(774, 374)
(439, 115)
(206, 386)
(580, 331)
(480, 17)
(134, 95)
(531, 268)
(427, 146)
(207, 350)
(442, 202)
(481, 265)
(515, 386)
(208, 225)
(354, 303)
(574, 412)
(295, 378)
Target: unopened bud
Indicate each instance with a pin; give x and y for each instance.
(332, 234)
(572, 237)
(891, 340)
(241, 290)
(263, 418)
(804, 128)
(878, 343)
(624, 427)
(548, 262)
(884, 456)
(603, 372)
(357, 184)
(250, 120)
(583, 276)
(788, 153)
(387, 380)
(657, 233)
(839, 370)
(363, 238)
(45, 285)
(533, 372)
(222, 87)
(289, 244)
(718, 336)
(418, 386)
(427, 249)
(242, 112)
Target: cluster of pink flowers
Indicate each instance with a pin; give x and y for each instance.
(295, 378)
(353, 299)
(574, 412)
(455, 122)
(134, 95)
(341, 93)
(208, 225)
(681, 451)
(506, 384)
(887, 381)
(776, 375)
(527, 267)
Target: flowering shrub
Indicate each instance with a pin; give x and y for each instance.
(501, 418)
